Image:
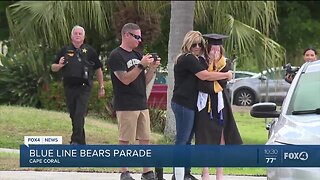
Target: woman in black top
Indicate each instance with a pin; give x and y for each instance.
(187, 70)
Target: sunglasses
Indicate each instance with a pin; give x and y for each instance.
(137, 37)
(195, 45)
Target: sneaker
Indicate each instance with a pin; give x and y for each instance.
(173, 177)
(189, 176)
(158, 173)
(157, 178)
(126, 176)
(148, 176)
(186, 177)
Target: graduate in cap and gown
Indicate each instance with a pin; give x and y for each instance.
(214, 123)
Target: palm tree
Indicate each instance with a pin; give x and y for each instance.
(182, 18)
(248, 25)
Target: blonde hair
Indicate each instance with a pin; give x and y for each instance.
(190, 38)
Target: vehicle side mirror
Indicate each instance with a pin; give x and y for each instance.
(264, 110)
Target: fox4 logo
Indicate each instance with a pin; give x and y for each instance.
(296, 155)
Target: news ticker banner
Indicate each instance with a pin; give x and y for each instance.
(169, 155)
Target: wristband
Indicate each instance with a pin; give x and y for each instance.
(140, 66)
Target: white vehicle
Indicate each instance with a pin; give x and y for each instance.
(298, 122)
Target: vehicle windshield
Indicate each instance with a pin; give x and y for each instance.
(306, 97)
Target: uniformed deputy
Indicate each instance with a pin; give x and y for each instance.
(78, 61)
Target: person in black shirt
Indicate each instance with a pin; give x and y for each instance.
(78, 61)
(187, 71)
(130, 73)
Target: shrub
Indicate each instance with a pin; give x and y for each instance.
(157, 119)
(101, 106)
(54, 99)
(21, 77)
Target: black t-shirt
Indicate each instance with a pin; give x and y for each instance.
(127, 97)
(85, 52)
(185, 90)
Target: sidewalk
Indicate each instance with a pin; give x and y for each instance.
(44, 175)
(6, 150)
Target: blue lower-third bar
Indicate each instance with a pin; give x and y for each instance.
(169, 156)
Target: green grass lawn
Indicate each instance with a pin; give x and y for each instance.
(17, 122)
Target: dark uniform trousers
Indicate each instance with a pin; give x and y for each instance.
(77, 101)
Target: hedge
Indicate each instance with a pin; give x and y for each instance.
(54, 99)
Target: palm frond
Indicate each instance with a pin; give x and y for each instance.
(50, 22)
(248, 24)
(244, 39)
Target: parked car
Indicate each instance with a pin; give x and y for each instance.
(247, 91)
(243, 74)
(298, 122)
(158, 95)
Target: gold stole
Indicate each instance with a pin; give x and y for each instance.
(216, 86)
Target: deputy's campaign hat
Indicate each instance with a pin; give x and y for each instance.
(214, 39)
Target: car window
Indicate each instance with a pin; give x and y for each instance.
(277, 74)
(305, 95)
(241, 75)
(161, 78)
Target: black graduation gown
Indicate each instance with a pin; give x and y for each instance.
(207, 130)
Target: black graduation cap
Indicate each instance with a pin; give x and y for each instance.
(214, 39)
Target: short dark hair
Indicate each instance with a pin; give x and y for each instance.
(129, 27)
(310, 48)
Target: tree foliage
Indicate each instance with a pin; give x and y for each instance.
(46, 26)
(4, 29)
(249, 25)
(299, 28)
(50, 22)
(22, 77)
(149, 22)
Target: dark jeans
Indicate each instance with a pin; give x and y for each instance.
(77, 101)
(184, 125)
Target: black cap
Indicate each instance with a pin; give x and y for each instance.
(214, 39)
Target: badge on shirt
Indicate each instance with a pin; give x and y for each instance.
(70, 53)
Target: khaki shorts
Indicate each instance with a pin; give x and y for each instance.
(133, 125)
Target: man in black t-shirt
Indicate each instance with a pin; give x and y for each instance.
(130, 73)
(78, 61)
